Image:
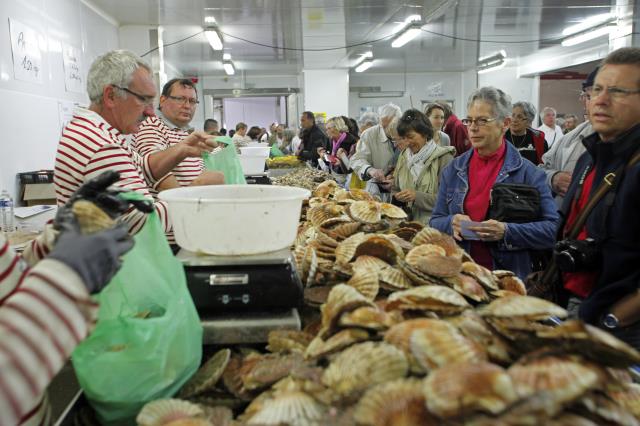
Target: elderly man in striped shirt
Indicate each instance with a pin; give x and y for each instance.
(121, 90)
(164, 140)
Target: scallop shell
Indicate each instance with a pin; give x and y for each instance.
(439, 266)
(381, 247)
(399, 335)
(319, 348)
(394, 212)
(162, 411)
(365, 211)
(90, 217)
(343, 196)
(417, 277)
(369, 263)
(406, 234)
(325, 189)
(270, 368)
(472, 326)
(439, 299)
(569, 419)
(442, 345)
(361, 195)
(345, 230)
(367, 317)
(460, 389)
(366, 282)
(393, 279)
(419, 252)
(403, 245)
(577, 337)
(326, 240)
(347, 248)
(501, 273)
(480, 274)
(283, 341)
(607, 411)
(289, 408)
(207, 376)
(566, 379)
(468, 287)
(426, 236)
(399, 403)
(316, 296)
(513, 284)
(628, 397)
(342, 298)
(364, 365)
(528, 307)
(218, 416)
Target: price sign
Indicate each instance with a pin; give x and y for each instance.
(27, 57)
(73, 80)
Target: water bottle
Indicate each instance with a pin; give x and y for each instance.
(6, 211)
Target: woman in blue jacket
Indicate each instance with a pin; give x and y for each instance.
(466, 183)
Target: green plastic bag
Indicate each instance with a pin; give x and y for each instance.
(225, 161)
(130, 359)
(275, 151)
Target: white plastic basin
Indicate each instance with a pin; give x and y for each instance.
(234, 219)
(256, 150)
(252, 164)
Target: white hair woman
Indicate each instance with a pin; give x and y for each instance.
(529, 142)
(343, 146)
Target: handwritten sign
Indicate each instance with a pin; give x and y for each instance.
(27, 57)
(435, 90)
(73, 81)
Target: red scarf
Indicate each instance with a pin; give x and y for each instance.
(483, 171)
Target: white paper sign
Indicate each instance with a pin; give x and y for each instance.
(65, 112)
(73, 80)
(435, 90)
(27, 57)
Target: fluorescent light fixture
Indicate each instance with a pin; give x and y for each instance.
(229, 68)
(407, 35)
(367, 55)
(214, 38)
(209, 20)
(492, 62)
(408, 21)
(365, 65)
(588, 23)
(586, 36)
(226, 56)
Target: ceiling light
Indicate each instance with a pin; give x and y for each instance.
(229, 68)
(588, 23)
(492, 62)
(586, 36)
(226, 56)
(407, 35)
(408, 20)
(214, 38)
(209, 20)
(365, 65)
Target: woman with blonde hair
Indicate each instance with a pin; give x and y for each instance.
(343, 146)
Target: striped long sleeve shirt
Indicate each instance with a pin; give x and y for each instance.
(157, 134)
(44, 313)
(89, 146)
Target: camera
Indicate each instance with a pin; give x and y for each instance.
(577, 255)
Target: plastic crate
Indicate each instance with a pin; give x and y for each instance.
(41, 176)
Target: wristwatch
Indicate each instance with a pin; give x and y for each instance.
(610, 321)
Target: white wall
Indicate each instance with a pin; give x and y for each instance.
(506, 79)
(259, 112)
(30, 121)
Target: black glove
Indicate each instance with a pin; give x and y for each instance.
(97, 257)
(98, 192)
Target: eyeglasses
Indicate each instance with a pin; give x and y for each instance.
(614, 92)
(146, 100)
(518, 117)
(480, 122)
(183, 100)
(585, 95)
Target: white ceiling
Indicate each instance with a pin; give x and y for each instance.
(268, 36)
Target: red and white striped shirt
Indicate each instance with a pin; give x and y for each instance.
(157, 134)
(44, 313)
(89, 146)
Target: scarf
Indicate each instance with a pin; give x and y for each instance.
(337, 143)
(416, 161)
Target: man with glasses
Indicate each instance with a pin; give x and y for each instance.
(121, 90)
(558, 163)
(169, 146)
(603, 274)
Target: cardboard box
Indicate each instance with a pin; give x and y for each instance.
(37, 187)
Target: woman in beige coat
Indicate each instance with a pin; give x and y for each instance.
(419, 166)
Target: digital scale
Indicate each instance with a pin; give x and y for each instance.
(241, 298)
(258, 179)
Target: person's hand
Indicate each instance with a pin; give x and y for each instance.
(321, 151)
(209, 177)
(406, 195)
(341, 152)
(376, 174)
(96, 257)
(560, 183)
(455, 225)
(490, 230)
(197, 143)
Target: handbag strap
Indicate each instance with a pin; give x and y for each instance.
(608, 183)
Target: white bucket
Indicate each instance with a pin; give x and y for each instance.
(252, 164)
(255, 150)
(235, 219)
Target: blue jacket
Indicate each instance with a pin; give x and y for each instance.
(618, 230)
(512, 253)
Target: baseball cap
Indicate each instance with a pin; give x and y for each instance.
(590, 78)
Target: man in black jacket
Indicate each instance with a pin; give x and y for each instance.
(605, 278)
(312, 139)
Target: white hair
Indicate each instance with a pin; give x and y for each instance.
(390, 110)
(546, 110)
(368, 118)
(499, 101)
(113, 68)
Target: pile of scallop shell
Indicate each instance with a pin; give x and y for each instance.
(410, 331)
(302, 177)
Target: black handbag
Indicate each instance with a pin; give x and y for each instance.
(514, 203)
